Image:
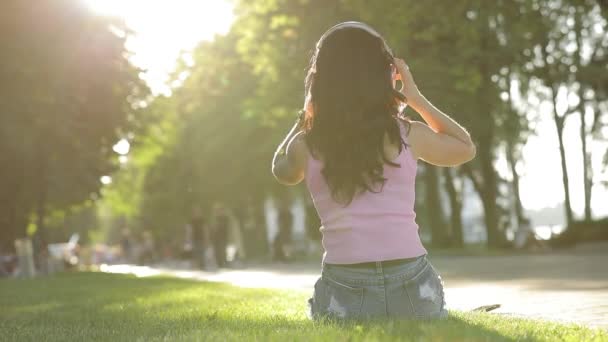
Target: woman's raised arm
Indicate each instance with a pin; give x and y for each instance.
(441, 141)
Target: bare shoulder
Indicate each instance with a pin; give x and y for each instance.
(418, 127)
(418, 134)
(407, 124)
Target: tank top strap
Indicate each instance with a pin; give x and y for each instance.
(403, 129)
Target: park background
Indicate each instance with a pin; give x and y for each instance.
(122, 122)
(129, 113)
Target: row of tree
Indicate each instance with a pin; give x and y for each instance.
(493, 66)
(490, 64)
(66, 94)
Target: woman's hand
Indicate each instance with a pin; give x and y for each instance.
(409, 88)
(441, 141)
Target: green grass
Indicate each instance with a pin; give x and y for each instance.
(97, 306)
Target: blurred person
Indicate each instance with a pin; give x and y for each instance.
(137, 248)
(127, 245)
(8, 262)
(247, 223)
(313, 226)
(283, 237)
(525, 237)
(188, 243)
(40, 251)
(504, 226)
(236, 239)
(358, 155)
(148, 253)
(235, 250)
(219, 236)
(200, 237)
(254, 233)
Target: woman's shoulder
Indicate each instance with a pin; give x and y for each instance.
(411, 132)
(414, 128)
(405, 125)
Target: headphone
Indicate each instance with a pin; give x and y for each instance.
(353, 24)
(370, 30)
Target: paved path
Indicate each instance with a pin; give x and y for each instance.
(567, 286)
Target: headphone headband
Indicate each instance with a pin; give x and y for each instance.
(353, 24)
(347, 24)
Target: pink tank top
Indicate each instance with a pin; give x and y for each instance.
(374, 226)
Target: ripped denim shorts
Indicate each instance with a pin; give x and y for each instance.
(404, 289)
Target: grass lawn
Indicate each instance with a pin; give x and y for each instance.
(97, 306)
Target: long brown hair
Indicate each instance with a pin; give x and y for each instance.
(354, 104)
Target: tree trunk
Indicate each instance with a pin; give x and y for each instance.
(587, 178)
(12, 225)
(41, 236)
(434, 209)
(565, 181)
(489, 194)
(586, 166)
(519, 212)
(40, 215)
(486, 185)
(488, 188)
(455, 196)
(559, 127)
(8, 217)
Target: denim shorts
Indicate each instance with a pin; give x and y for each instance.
(411, 289)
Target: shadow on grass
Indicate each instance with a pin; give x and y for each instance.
(96, 306)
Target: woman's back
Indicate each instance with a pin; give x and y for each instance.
(375, 226)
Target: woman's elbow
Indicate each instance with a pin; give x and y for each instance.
(287, 180)
(285, 177)
(472, 152)
(465, 156)
(277, 174)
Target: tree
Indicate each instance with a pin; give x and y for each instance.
(67, 100)
(456, 60)
(560, 70)
(243, 86)
(454, 190)
(589, 73)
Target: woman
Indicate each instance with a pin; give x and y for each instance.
(358, 156)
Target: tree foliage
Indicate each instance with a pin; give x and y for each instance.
(488, 64)
(67, 93)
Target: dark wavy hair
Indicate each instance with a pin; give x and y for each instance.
(354, 104)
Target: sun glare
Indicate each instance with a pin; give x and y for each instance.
(163, 29)
(122, 147)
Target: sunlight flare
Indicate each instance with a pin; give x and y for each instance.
(163, 29)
